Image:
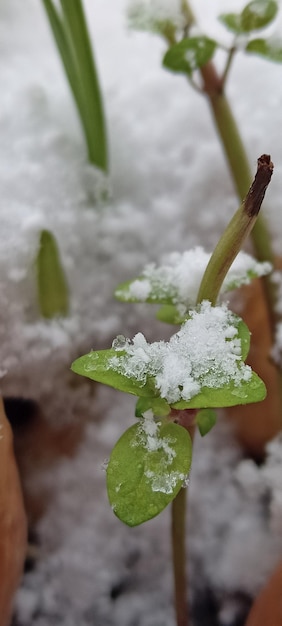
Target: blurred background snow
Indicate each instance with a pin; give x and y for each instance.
(170, 190)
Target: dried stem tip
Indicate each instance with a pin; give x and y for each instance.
(257, 191)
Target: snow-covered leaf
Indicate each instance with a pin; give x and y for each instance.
(270, 49)
(201, 365)
(188, 55)
(147, 468)
(206, 419)
(103, 367)
(177, 279)
(140, 290)
(256, 15)
(159, 406)
(159, 17)
(252, 390)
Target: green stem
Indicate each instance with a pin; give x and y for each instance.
(240, 171)
(179, 557)
(230, 58)
(237, 231)
(224, 254)
(239, 168)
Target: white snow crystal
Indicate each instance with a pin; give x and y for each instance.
(164, 482)
(205, 352)
(163, 479)
(140, 289)
(179, 276)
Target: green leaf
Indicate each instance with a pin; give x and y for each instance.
(189, 54)
(99, 366)
(249, 391)
(51, 282)
(232, 21)
(170, 315)
(258, 14)
(206, 419)
(145, 474)
(159, 406)
(269, 49)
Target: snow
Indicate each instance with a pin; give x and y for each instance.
(205, 352)
(179, 275)
(148, 436)
(170, 191)
(152, 441)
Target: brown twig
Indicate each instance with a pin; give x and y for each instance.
(259, 186)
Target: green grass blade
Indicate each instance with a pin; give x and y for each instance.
(53, 293)
(92, 100)
(66, 52)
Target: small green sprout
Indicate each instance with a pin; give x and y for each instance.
(53, 294)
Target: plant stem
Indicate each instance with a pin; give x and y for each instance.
(239, 168)
(230, 58)
(224, 254)
(179, 557)
(178, 536)
(240, 172)
(235, 234)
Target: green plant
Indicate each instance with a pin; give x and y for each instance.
(70, 32)
(192, 55)
(52, 289)
(179, 383)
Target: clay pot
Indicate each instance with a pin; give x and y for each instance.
(267, 609)
(13, 530)
(256, 424)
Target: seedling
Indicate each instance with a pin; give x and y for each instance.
(180, 382)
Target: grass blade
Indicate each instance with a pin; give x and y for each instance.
(75, 22)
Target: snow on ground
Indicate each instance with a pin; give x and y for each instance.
(170, 191)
